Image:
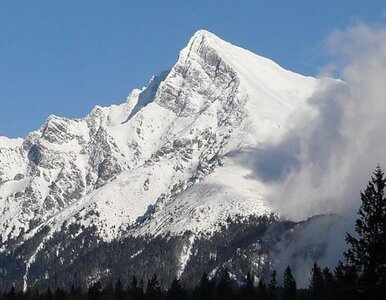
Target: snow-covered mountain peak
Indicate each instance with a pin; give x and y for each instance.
(202, 38)
(203, 33)
(205, 44)
(177, 158)
(168, 159)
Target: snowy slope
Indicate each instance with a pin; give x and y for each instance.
(169, 159)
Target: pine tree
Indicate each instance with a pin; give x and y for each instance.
(48, 294)
(262, 290)
(175, 290)
(345, 278)
(11, 294)
(247, 289)
(316, 286)
(204, 288)
(135, 289)
(32, 293)
(289, 285)
(94, 292)
(224, 289)
(153, 289)
(75, 293)
(60, 294)
(141, 289)
(119, 291)
(367, 250)
(272, 286)
(329, 284)
(108, 292)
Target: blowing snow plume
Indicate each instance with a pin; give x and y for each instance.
(328, 156)
(327, 160)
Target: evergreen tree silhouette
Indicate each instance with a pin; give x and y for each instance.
(204, 288)
(248, 290)
(329, 284)
(153, 289)
(175, 291)
(289, 285)
(60, 294)
(262, 290)
(48, 294)
(224, 289)
(135, 289)
(94, 291)
(367, 250)
(76, 293)
(345, 282)
(316, 286)
(272, 286)
(108, 292)
(141, 289)
(32, 293)
(11, 295)
(119, 291)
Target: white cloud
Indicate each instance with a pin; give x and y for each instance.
(327, 159)
(336, 152)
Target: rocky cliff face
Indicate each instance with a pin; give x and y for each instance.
(172, 159)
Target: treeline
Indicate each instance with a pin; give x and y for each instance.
(362, 276)
(323, 285)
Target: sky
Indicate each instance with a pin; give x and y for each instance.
(64, 57)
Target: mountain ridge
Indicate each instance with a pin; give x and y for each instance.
(211, 87)
(169, 167)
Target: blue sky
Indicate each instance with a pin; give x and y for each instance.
(64, 57)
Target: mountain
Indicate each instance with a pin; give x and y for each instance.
(169, 169)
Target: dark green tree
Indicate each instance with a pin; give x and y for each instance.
(76, 293)
(11, 295)
(289, 285)
(135, 289)
(224, 288)
(204, 288)
(367, 249)
(316, 285)
(262, 290)
(247, 289)
(141, 289)
(272, 286)
(108, 292)
(345, 279)
(32, 293)
(175, 290)
(119, 290)
(60, 294)
(153, 289)
(48, 294)
(329, 284)
(94, 291)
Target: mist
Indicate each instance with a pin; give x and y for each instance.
(327, 158)
(335, 144)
